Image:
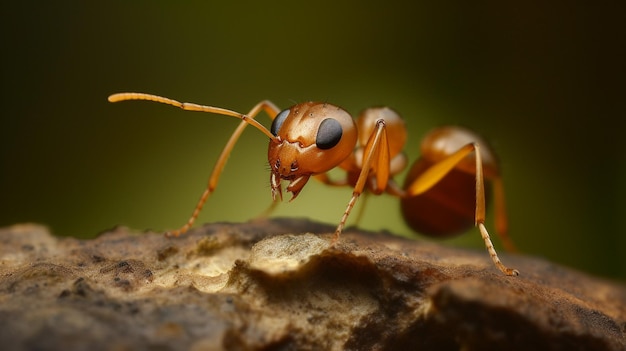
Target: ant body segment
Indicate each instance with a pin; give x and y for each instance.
(443, 194)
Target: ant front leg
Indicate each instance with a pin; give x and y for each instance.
(325, 179)
(265, 105)
(375, 157)
(272, 111)
(436, 172)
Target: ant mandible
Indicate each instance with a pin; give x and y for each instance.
(444, 192)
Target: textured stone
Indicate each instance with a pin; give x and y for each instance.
(272, 285)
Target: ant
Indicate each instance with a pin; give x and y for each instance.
(443, 194)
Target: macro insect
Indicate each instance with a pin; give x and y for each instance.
(444, 191)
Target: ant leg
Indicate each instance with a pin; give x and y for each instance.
(321, 177)
(324, 178)
(437, 171)
(271, 110)
(375, 156)
(361, 209)
(268, 211)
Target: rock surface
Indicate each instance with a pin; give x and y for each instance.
(266, 286)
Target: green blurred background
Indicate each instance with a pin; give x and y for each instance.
(544, 82)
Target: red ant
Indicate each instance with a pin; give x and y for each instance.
(443, 194)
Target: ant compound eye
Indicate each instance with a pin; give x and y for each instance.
(328, 134)
(278, 122)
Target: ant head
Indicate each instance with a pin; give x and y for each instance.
(311, 138)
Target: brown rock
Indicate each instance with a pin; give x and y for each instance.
(254, 286)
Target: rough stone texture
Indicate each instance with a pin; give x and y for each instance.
(254, 286)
